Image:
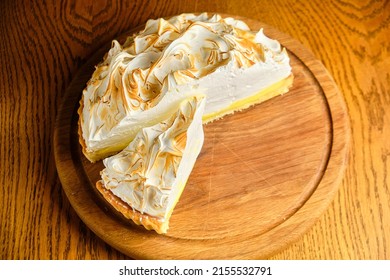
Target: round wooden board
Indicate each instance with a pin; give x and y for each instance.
(263, 177)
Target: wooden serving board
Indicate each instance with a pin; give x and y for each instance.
(262, 179)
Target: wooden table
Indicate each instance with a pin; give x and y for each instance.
(42, 47)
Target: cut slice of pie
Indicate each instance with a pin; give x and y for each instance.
(142, 82)
(145, 180)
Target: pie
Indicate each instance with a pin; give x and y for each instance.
(143, 109)
(142, 81)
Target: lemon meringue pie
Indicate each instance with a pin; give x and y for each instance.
(141, 82)
(145, 180)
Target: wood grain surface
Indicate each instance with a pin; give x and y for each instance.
(43, 45)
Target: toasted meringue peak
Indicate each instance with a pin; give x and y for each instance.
(142, 81)
(151, 172)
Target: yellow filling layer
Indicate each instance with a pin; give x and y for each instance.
(276, 89)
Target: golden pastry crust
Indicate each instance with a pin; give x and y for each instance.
(149, 222)
(80, 132)
(91, 156)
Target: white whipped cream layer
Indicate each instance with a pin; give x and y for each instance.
(142, 81)
(151, 172)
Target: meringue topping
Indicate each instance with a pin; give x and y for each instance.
(151, 172)
(142, 81)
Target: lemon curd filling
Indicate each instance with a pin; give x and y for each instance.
(265, 94)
